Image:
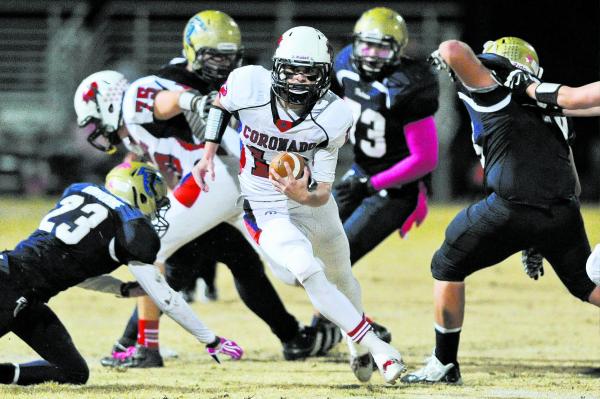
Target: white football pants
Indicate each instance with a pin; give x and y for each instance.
(217, 205)
(305, 241)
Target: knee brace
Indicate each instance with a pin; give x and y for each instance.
(441, 269)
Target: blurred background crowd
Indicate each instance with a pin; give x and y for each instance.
(48, 47)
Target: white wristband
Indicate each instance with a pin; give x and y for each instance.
(187, 100)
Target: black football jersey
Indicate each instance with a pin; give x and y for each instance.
(382, 109)
(89, 232)
(525, 153)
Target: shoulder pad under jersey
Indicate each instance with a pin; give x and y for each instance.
(247, 86)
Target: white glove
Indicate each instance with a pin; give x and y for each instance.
(440, 64)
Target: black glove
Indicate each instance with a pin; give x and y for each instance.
(440, 64)
(533, 263)
(518, 81)
(131, 289)
(328, 335)
(353, 189)
(506, 73)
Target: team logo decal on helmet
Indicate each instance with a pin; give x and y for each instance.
(380, 35)
(520, 53)
(212, 45)
(97, 104)
(302, 50)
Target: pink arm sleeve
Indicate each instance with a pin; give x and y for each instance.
(422, 142)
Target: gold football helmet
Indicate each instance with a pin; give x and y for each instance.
(212, 45)
(142, 186)
(380, 35)
(520, 53)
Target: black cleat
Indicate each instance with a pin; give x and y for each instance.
(302, 345)
(382, 333)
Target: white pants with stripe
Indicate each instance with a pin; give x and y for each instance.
(305, 241)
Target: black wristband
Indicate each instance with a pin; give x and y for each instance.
(547, 93)
(215, 343)
(216, 123)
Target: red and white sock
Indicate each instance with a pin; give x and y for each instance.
(361, 329)
(148, 333)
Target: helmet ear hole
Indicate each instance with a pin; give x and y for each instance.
(143, 198)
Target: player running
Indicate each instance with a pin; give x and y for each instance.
(291, 109)
(91, 231)
(159, 119)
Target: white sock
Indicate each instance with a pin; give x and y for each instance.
(331, 303)
(374, 344)
(356, 349)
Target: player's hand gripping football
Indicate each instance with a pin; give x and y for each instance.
(295, 189)
(533, 263)
(226, 347)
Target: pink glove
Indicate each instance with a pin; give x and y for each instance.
(418, 214)
(226, 347)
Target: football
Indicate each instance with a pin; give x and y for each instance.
(295, 161)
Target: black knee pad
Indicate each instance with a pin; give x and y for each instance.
(442, 270)
(581, 288)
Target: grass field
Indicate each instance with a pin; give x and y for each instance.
(521, 338)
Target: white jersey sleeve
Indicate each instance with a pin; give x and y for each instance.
(336, 120)
(138, 100)
(245, 88)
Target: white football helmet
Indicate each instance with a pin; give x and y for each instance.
(307, 48)
(97, 102)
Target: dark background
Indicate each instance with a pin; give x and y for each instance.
(566, 36)
(48, 47)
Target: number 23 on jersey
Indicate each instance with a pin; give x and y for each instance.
(73, 232)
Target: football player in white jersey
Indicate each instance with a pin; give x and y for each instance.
(290, 109)
(160, 121)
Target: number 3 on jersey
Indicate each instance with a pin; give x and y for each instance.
(370, 129)
(93, 215)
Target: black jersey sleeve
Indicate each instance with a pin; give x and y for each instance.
(422, 99)
(137, 240)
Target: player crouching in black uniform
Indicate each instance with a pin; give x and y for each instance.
(91, 231)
